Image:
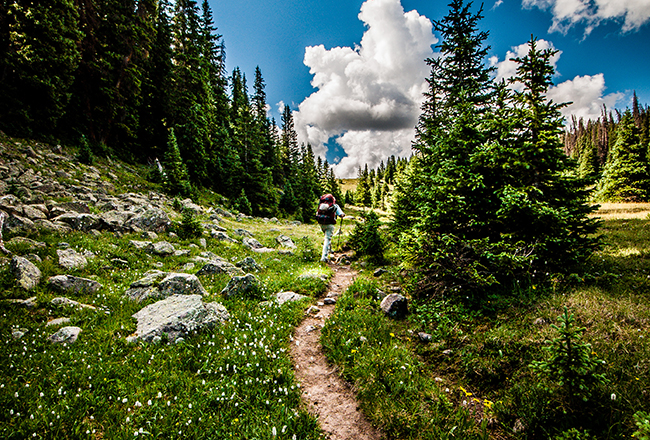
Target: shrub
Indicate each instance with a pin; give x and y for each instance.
(190, 225)
(85, 154)
(366, 239)
(570, 364)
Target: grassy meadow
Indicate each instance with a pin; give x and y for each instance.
(489, 371)
(477, 378)
(234, 381)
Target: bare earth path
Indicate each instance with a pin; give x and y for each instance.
(324, 392)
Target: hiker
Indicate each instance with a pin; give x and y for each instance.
(326, 215)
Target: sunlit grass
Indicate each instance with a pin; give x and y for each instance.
(235, 381)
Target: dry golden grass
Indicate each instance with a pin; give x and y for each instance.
(613, 211)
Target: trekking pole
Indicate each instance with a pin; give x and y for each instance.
(338, 242)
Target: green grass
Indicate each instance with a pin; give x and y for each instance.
(234, 381)
(482, 355)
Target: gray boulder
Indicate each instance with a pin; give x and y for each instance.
(115, 220)
(242, 232)
(177, 317)
(284, 297)
(81, 222)
(162, 248)
(222, 236)
(71, 259)
(66, 335)
(219, 266)
(181, 284)
(223, 213)
(153, 219)
(141, 245)
(33, 212)
(145, 287)
(25, 272)
(285, 241)
(69, 284)
(248, 264)
(75, 206)
(252, 243)
(240, 285)
(16, 223)
(395, 306)
(57, 321)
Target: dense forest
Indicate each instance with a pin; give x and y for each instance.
(613, 152)
(146, 81)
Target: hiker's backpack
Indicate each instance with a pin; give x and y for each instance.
(326, 214)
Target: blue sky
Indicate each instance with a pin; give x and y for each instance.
(353, 70)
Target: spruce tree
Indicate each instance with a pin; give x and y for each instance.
(39, 54)
(489, 195)
(175, 178)
(626, 176)
(155, 110)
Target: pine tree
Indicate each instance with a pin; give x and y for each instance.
(489, 195)
(155, 110)
(175, 179)
(626, 175)
(39, 55)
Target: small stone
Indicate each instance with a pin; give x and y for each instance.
(329, 301)
(379, 272)
(312, 310)
(25, 272)
(284, 297)
(395, 306)
(425, 337)
(67, 334)
(57, 321)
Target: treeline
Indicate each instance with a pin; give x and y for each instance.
(614, 152)
(374, 185)
(144, 80)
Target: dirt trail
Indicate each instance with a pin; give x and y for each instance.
(324, 392)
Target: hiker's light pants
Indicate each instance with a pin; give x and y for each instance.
(328, 230)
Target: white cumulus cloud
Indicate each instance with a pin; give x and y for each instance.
(586, 93)
(368, 97)
(590, 13)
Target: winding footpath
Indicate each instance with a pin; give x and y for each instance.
(325, 394)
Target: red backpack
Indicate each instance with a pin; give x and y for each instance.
(326, 214)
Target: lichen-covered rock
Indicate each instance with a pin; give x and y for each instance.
(81, 222)
(176, 317)
(162, 248)
(181, 284)
(145, 287)
(153, 219)
(69, 284)
(66, 335)
(219, 266)
(71, 259)
(115, 220)
(25, 272)
(285, 241)
(284, 297)
(249, 264)
(395, 306)
(222, 236)
(240, 285)
(252, 243)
